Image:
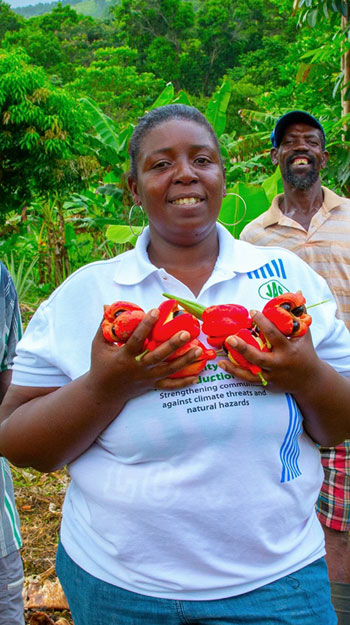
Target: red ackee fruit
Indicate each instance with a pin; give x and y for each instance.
(172, 319)
(195, 367)
(221, 321)
(288, 313)
(120, 320)
(256, 339)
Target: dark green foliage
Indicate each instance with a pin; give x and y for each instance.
(43, 147)
(9, 21)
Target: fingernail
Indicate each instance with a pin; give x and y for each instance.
(185, 336)
(154, 313)
(197, 352)
(232, 341)
(252, 313)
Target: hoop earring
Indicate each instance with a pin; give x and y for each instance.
(244, 212)
(130, 218)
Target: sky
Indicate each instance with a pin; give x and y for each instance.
(23, 3)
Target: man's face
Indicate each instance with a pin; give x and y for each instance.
(300, 155)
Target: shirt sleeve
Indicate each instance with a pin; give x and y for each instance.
(11, 325)
(35, 363)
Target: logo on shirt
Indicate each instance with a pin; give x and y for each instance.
(271, 289)
(273, 271)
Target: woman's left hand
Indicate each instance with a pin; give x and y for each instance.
(288, 367)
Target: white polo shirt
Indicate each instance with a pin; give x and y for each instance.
(200, 493)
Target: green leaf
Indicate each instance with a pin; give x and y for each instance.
(273, 185)
(122, 234)
(166, 97)
(342, 7)
(338, 83)
(103, 124)
(247, 203)
(70, 235)
(216, 109)
(303, 72)
(312, 17)
(182, 98)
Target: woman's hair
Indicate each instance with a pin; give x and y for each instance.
(158, 116)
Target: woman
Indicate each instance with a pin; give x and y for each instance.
(191, 500)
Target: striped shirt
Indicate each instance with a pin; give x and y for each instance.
(325, 246)
(10, 332)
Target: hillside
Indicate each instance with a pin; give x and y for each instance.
(95, 8)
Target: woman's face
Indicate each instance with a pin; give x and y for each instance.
(180, 181)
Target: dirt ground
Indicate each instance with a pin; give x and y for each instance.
(39, 499)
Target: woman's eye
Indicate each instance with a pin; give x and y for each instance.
(160, 165)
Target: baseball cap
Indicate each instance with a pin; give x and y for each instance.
(293, 117)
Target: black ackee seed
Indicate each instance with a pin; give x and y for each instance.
(119, 312)
(296, 325)
(286, 306)
(298, 311)
(178, 312)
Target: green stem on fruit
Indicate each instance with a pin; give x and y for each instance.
(138, 358)
(318, 304)
(263, 381)
(192, 307)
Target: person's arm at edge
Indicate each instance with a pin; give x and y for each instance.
(48, 427)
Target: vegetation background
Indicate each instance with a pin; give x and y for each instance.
(74, 78)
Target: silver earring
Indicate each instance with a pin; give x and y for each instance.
(130, 218)
(244, 212)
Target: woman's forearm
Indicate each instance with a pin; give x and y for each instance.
(325, 404)
(47, 431)
(46, 428)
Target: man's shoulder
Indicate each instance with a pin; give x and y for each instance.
(251, 232)
(333, 200)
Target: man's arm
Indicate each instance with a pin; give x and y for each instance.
(5, 381)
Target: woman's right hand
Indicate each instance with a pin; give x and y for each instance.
(118, 372)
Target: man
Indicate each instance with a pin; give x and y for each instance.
(314, 223)
(11, 568)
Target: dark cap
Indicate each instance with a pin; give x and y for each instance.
(293, 117)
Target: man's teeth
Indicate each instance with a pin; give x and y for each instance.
(300, 161)
(186, 200)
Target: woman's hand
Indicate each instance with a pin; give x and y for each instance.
(122, 371)
(289, 366)
(292, 366)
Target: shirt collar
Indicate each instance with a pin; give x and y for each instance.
(273, 214)
(235, 256)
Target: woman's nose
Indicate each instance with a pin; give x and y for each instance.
(185, 172)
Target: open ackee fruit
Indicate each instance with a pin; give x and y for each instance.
(288, 313)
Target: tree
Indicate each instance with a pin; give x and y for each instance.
(61, 41)
(9, 21)
(42, 136)
(116, 85)
(337, 12)
(159, 30)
